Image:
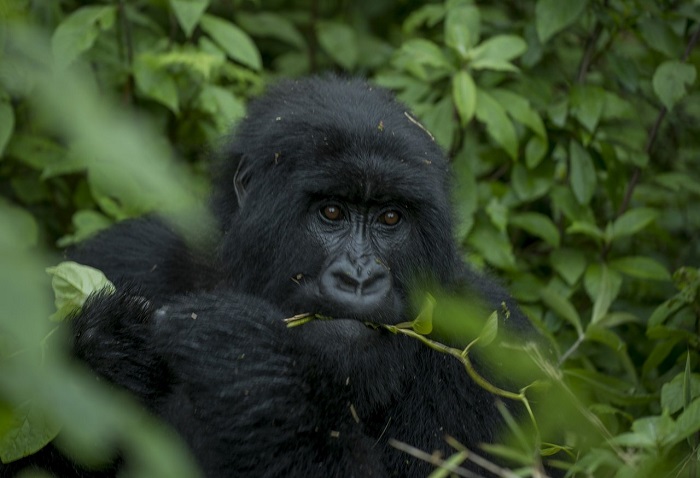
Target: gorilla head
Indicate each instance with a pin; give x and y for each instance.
(341, 198)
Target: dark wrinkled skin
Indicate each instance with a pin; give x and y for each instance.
(250, 396)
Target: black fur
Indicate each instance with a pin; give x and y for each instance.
(203, 344)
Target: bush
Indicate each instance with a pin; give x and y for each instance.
(571, 128)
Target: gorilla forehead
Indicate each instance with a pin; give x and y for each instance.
(334, 137)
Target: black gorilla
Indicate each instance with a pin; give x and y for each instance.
(332, 200)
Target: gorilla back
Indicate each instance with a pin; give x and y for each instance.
(332, 200)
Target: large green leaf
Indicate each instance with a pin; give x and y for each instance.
(530, 184)
(462, 27)
(272, 25)
(78, 32)
(535, 151)
(641, 267)
(561, 306)
(633, 221)
(464, 95)
(603, 286)
(493, 246)
(425, 53)
(582, 174)
(73, 283)
(500, 47)
(155, 82)
(29, 430)
(339, 41)
(538, 225)
(188, 13)
(552, 16)
(498, 125)
(569, 264)
(670, 81)
(234, 41)
(519, 108)
(587, 104)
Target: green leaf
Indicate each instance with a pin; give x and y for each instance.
(633, 221)
(586, 104)
(86, 223)
(688, 422)
(498, 214)
(222, 105)
(464, 96)
(606, 337)
(423, 324)
(426, 53)
(494, 64)
(188, 13)
(438, 119)
(498, 48)
(20, 230)
(670, 81)
(493, 246)
(648, 432)
(552, 16)
(234, 41)
(657, 32)
(78, 32)
(538, 225)
(462, 28)
(498, 125)
(665, 310)
(429, 15)
(535, 151)
(587, 229)
(155, 82)
(272, 25)
(29, 430)
(641, 267)
(339, 41)
(529, 185)
(7, 124)
(518, 107)
(490, 331)
(673, 393)
(72, 284)
(603, 287)
(582, 175)
(561, 306)
(569, 264)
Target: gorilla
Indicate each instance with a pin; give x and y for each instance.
(333, 200)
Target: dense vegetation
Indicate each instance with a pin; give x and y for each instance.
(573, 128)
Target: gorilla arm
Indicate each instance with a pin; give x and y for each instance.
(214, 367)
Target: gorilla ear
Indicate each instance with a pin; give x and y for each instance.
(240, 181)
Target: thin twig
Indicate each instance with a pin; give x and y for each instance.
(588, 52)
(654, 133)
(432, 459)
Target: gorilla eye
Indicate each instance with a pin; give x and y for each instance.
(390, 218)
(332, 213)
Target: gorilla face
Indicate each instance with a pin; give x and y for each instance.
(341, 211)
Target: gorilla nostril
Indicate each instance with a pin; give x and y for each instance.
(377, 282)
(346, 282)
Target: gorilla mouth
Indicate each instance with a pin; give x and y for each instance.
(304, 318)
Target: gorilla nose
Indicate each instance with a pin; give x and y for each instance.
(357, 287)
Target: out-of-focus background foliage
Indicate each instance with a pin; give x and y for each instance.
(574, 128)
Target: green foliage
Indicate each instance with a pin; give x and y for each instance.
(72, 284)
(573, 131)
